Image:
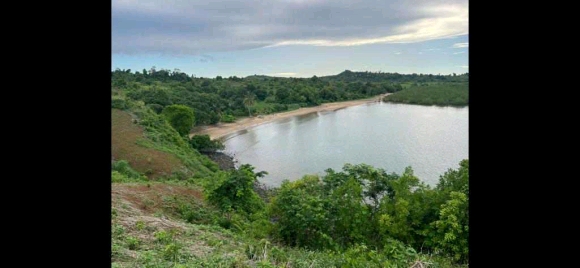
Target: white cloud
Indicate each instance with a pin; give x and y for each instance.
(444, 22)
(460, 45)
(397, 53)
(197, 27)
(464, 66)
(455, 53)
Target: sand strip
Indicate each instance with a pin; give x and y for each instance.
(222, 129)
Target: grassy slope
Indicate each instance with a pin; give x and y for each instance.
(153, 148)
(441, 94)
(149, 230)
(124, 145)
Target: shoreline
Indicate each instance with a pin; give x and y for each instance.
(221, 130)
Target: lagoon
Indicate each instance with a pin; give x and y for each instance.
(391, 136)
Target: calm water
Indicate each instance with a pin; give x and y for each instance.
(385, 135)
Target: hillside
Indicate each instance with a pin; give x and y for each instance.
(152, 147)
(350, 76)
(170, 225)
(125, 145)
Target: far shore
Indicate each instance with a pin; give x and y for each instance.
(220, 130)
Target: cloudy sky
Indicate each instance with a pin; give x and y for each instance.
(291, 38)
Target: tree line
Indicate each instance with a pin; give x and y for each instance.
(221, 99)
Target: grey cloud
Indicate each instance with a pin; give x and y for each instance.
(206, 58)
(197, 27)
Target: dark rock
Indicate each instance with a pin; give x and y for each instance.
(224, 161)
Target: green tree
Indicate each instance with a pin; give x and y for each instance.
(180, 117)
(349, 215)
(249, 100)
(203, 143)
(301, 213)
(401, 207)
(449, 230)
(236, 191)
(452, 228)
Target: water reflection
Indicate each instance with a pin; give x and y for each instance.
(390, 136)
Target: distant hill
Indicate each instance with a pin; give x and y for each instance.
(435, 93)
(350, 76)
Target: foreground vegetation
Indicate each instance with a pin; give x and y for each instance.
(178, 224)
(440, 94)
(174, 207)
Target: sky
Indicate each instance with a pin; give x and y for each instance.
(290, 38)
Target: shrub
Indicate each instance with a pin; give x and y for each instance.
(117, 103)
(180, 117)
(228, 118)
(203, 143)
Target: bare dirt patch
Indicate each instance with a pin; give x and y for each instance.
(149, 199)
(124, 137)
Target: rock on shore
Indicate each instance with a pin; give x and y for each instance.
(224, 161)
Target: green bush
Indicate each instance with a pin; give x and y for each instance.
(203, 143)
(156, 107)
(235, 190)
(122, 172)
(132, 242)
(293, 106)
(120, 104)
(180, 117)
(228, 118)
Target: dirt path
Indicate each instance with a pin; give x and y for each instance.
(222, 129)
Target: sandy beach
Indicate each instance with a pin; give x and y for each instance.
(222, 129)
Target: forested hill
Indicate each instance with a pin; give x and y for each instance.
(349, 76)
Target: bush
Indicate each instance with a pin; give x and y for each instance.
(235, 191)
(180, 117)
(293, 106)
(120, 104)
(122, 172)
(203, 143)
(228, 118)
(156, 107)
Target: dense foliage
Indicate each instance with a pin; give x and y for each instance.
(203, 143)
(441, 94)
(364, 205)
(222, 99)
(180, 117)
(235, 190)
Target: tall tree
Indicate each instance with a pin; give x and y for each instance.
(249, 101)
